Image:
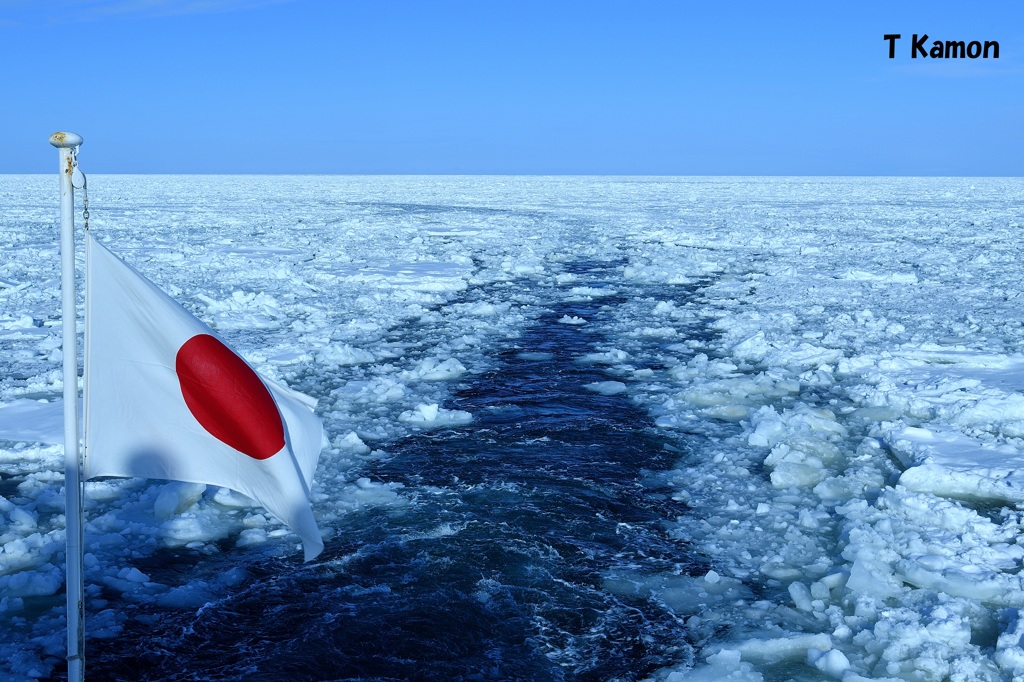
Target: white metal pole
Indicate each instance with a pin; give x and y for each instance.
(67, 143)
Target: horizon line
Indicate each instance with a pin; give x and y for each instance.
(541, 175)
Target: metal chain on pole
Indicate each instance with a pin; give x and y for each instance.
(79, 181)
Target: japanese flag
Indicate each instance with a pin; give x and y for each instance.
(166, 398)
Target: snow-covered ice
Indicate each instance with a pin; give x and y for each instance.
(838, 364)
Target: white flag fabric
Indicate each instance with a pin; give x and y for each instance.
(166, 398)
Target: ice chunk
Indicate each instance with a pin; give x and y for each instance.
(352, 442)
(894, 277)
(33, 420)
(1009, 650)
(606, 387)
(243, 310)
(432, 416)
(133, 574)
(23, 322)
(23, 517)
(781, 648)
(39, 582)
(232, 499)
(870, 576)
(366, 493)
(801, 596)
(611, 357)
(751, 348)
(951, 464)
(725, 666)
(792, 474)
(176, 497)
(344, 355)
(771, 428)
(432, 369)
(592, 291)
(251, 536)
(833, 663)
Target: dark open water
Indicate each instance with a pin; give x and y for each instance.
(494, 572)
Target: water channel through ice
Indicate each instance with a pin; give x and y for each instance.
(576, 429)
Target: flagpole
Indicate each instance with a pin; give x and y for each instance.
(67, 144)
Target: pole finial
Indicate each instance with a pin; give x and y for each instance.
(65, 139)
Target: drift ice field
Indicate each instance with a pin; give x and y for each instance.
(575, 429)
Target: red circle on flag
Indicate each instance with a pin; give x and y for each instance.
(227, 398)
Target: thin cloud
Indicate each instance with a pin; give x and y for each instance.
(22, 12)
(162, 8)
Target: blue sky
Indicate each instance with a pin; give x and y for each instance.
(491, 86)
